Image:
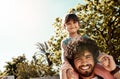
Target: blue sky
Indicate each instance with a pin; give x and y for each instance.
(23, 23)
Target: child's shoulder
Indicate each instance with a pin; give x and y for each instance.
(85, 36)
(66, 40)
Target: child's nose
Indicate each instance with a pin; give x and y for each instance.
(72, 25)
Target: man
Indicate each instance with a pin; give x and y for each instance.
(82, 55)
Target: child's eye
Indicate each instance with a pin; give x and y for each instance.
(68, 23)
(75, 22)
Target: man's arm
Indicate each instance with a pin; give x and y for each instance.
(109, 64)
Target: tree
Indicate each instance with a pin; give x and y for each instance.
(55, 41)
(11, 67)
(21, 68)
(26, 70)
(100, 20)
(44, 49)
(41, 60)
(40, 65)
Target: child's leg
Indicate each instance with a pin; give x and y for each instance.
(67, 72)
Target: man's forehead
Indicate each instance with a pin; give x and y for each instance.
(84, 53)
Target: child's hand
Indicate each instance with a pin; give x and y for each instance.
(65, 66)
(67, 72)
(107, 61)
(71, 74)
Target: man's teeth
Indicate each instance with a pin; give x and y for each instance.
(86, 67)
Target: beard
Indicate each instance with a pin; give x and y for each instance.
(85, 72)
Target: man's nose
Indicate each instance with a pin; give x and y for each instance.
(84, 62)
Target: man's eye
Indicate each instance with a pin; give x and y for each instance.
(78, 60)
(89, 57)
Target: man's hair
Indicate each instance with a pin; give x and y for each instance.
(78, 48)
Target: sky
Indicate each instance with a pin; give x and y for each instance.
(23, 23)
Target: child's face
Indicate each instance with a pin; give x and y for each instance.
(72, 26)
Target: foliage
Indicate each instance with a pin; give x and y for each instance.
(55, 41)
(100, 20)
(40, 65)
(11, 67)
(44, 50)
(42, 61)
(2, 74)
(26, 71)
(20, 68)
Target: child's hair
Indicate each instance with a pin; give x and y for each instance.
(69, 17)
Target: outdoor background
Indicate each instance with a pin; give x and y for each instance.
(26, 24)
(23, 23)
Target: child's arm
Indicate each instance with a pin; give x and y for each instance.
(66, 70)
(101, 71)
(63, 47)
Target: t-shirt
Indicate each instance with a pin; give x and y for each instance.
(68, 40)
(96, 77)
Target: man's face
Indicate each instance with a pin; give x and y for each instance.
(84, 64)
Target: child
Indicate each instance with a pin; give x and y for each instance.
(72, 25)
